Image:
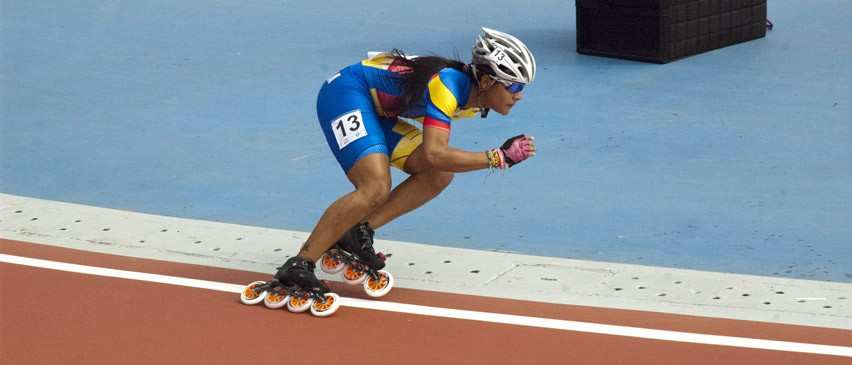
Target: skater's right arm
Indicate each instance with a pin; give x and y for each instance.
(442, 156)
(442, 95)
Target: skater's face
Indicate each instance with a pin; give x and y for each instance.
(500, 95)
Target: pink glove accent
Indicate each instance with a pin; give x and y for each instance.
(516, 149)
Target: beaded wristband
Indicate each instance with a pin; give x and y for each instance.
(494, 159)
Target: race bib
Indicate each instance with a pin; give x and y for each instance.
(349, 128)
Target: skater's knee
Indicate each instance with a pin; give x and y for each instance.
(438, 180)
(442, 179)
(375, 194)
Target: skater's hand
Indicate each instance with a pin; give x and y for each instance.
(517, 149)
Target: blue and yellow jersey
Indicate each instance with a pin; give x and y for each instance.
(442, 102)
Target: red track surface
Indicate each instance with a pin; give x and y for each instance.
(55, 317)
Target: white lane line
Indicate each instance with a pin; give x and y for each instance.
(557, 324)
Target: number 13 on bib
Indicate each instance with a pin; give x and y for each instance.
(349, 128)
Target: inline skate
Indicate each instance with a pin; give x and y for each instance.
(295, 286)
(354, 257)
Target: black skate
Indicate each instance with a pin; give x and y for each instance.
(296, 286)
(355, 257)
(358, 242)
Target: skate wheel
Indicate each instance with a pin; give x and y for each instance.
(326, 308)
(250, 296)
(330, 264)
(353, 276)
(299, 304)
(377, 288)
(276, 299)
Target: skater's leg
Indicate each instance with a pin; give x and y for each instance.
(372, 180)
(424, 184)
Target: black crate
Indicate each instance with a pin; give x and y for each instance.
(665, 30)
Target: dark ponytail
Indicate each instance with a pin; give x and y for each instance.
(420, 70)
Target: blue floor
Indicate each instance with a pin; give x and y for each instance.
(736, 160)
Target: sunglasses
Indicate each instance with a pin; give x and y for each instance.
(512, 87)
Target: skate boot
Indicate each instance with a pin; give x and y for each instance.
(355, 257)
(300, 272)
(296, 286)
(358, 242)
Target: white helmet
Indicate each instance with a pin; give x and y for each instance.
(507, 56)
